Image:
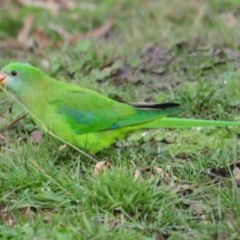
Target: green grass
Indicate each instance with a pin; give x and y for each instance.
(159, 51)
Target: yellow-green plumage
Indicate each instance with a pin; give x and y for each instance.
(83, 117)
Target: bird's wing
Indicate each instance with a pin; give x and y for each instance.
(88, 111)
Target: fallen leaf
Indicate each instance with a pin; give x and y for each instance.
(198, 209)
(3, 4)
(95, 33)
(137, 175)
(11, 44)
(28, 212)
(9, 221)
(41, 38)
(62, 147)
(154, 171)
(2, 137)
(161, 236)
(224, 171)
(36, 136)
(24, 32)
(229, 19)
(100, 167)
(162, 173)
(184, 189)
(51, 5)
(6, 218)
(236, 174)
(110, 223)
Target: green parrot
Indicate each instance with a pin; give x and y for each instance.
(85, 118)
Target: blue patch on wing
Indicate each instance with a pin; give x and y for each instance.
(114, 126)
(79, 117)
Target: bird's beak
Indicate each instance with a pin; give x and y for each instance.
(2, 79)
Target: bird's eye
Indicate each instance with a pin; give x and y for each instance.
(13, 73)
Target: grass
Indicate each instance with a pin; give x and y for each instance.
(181, 51)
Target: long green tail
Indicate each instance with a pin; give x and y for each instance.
(186, 123)
(96, 141)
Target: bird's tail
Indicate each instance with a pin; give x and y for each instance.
(186, 123)
(96, 141)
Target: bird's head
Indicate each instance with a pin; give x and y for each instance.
(19, 76)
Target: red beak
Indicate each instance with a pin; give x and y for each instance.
(2, 78)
